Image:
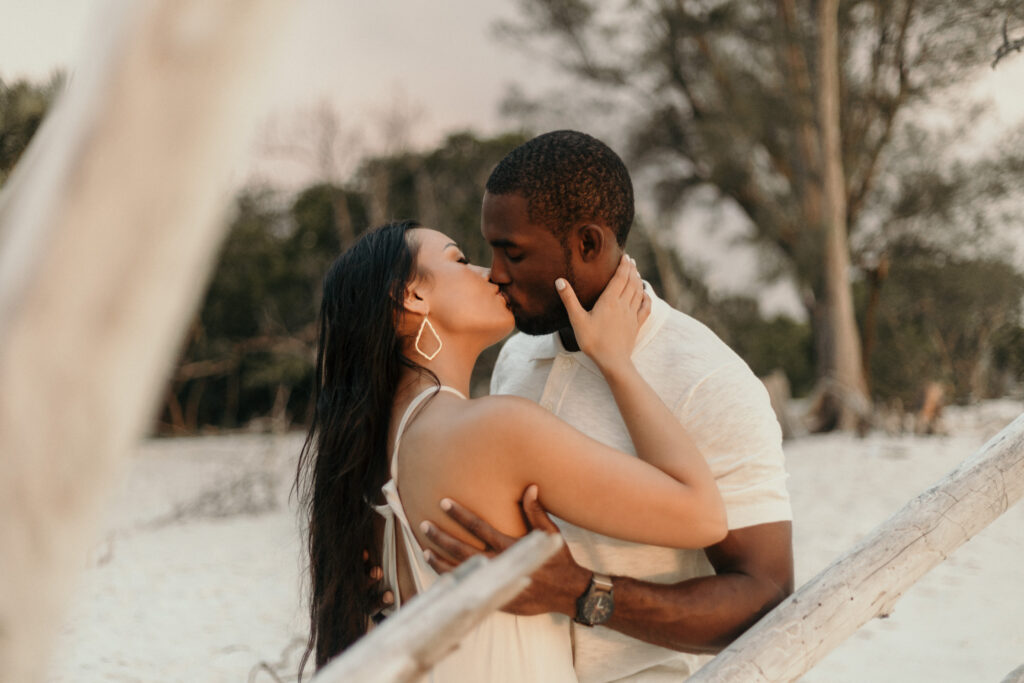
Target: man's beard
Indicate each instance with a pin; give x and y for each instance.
(547, 322)
(553, 318)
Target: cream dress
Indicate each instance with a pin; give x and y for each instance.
(503, 648)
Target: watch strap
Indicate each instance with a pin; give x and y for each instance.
(599, 584)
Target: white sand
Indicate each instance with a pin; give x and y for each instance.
(197, 576)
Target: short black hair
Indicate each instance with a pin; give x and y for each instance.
(567, 177)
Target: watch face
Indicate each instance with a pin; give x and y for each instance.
(598, 608)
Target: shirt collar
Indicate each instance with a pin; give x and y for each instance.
(548, 346)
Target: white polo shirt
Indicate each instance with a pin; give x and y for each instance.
(726, 410)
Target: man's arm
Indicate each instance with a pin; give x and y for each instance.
(753, 565)
(754, 573)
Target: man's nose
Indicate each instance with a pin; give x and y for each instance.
(499, 275)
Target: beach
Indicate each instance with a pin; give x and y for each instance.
(196, 575)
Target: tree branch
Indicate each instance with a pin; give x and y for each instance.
(1008, 45)
(857, 197)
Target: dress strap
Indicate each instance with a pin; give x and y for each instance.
(392, 510)
(429, 392)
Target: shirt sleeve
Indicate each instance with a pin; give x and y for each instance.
(729, 415)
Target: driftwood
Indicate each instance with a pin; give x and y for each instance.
(867, 581)
(108, 229)
(929, 418)
(1015, 676)
(408, 644)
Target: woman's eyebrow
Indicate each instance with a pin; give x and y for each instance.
(452, 244)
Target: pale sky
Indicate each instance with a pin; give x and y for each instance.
(437, 59)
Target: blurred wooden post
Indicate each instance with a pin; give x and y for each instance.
(108, 229)
(867, 581)
(1015, 676)
(408, 644)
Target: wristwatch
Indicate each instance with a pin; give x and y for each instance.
(597, 602)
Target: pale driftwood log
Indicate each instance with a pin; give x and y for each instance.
(107, 233)
(420, 634)
(1015, 676)
(867, 581)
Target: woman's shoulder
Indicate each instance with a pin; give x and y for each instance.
(499, 415)
(492, 416)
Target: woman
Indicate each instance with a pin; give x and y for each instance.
(403, 319)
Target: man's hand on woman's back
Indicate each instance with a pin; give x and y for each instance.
(553, 588)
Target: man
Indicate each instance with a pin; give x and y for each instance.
(561, 205)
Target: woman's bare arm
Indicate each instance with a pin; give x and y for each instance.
(665, 497)
(588, 483)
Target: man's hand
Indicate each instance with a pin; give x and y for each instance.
(381, 597)
(554, 586)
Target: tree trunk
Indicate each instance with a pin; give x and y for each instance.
(876, 277)
(844, 401)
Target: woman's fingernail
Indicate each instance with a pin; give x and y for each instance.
(560, 284)
(427, 555)
(376, 573)
(446, 504)
(388, 598)
(425, 526)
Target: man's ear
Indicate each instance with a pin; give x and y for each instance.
(592, 241)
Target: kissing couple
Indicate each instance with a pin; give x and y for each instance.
(651, 444)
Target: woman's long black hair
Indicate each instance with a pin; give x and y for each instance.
(344, 461)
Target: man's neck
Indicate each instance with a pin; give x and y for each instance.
(568, 337)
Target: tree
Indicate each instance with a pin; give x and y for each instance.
(23, 105)
(249, 355)
(946, 318)
(1008, 46)
(730, 95)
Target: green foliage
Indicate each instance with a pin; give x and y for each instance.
(767, 344)
(251, 350)
(23, 105)
(1008, 358)
(947, 319)
(252, 340)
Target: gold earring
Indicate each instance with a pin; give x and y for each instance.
(431, 356)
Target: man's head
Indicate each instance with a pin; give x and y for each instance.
(559, 205)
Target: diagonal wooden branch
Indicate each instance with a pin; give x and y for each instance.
(407, 645)
(1008, 45)
(867, 581)
(1015, 676)
(107, 232)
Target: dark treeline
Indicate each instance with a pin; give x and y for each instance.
(927, 310)
(248, 358)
